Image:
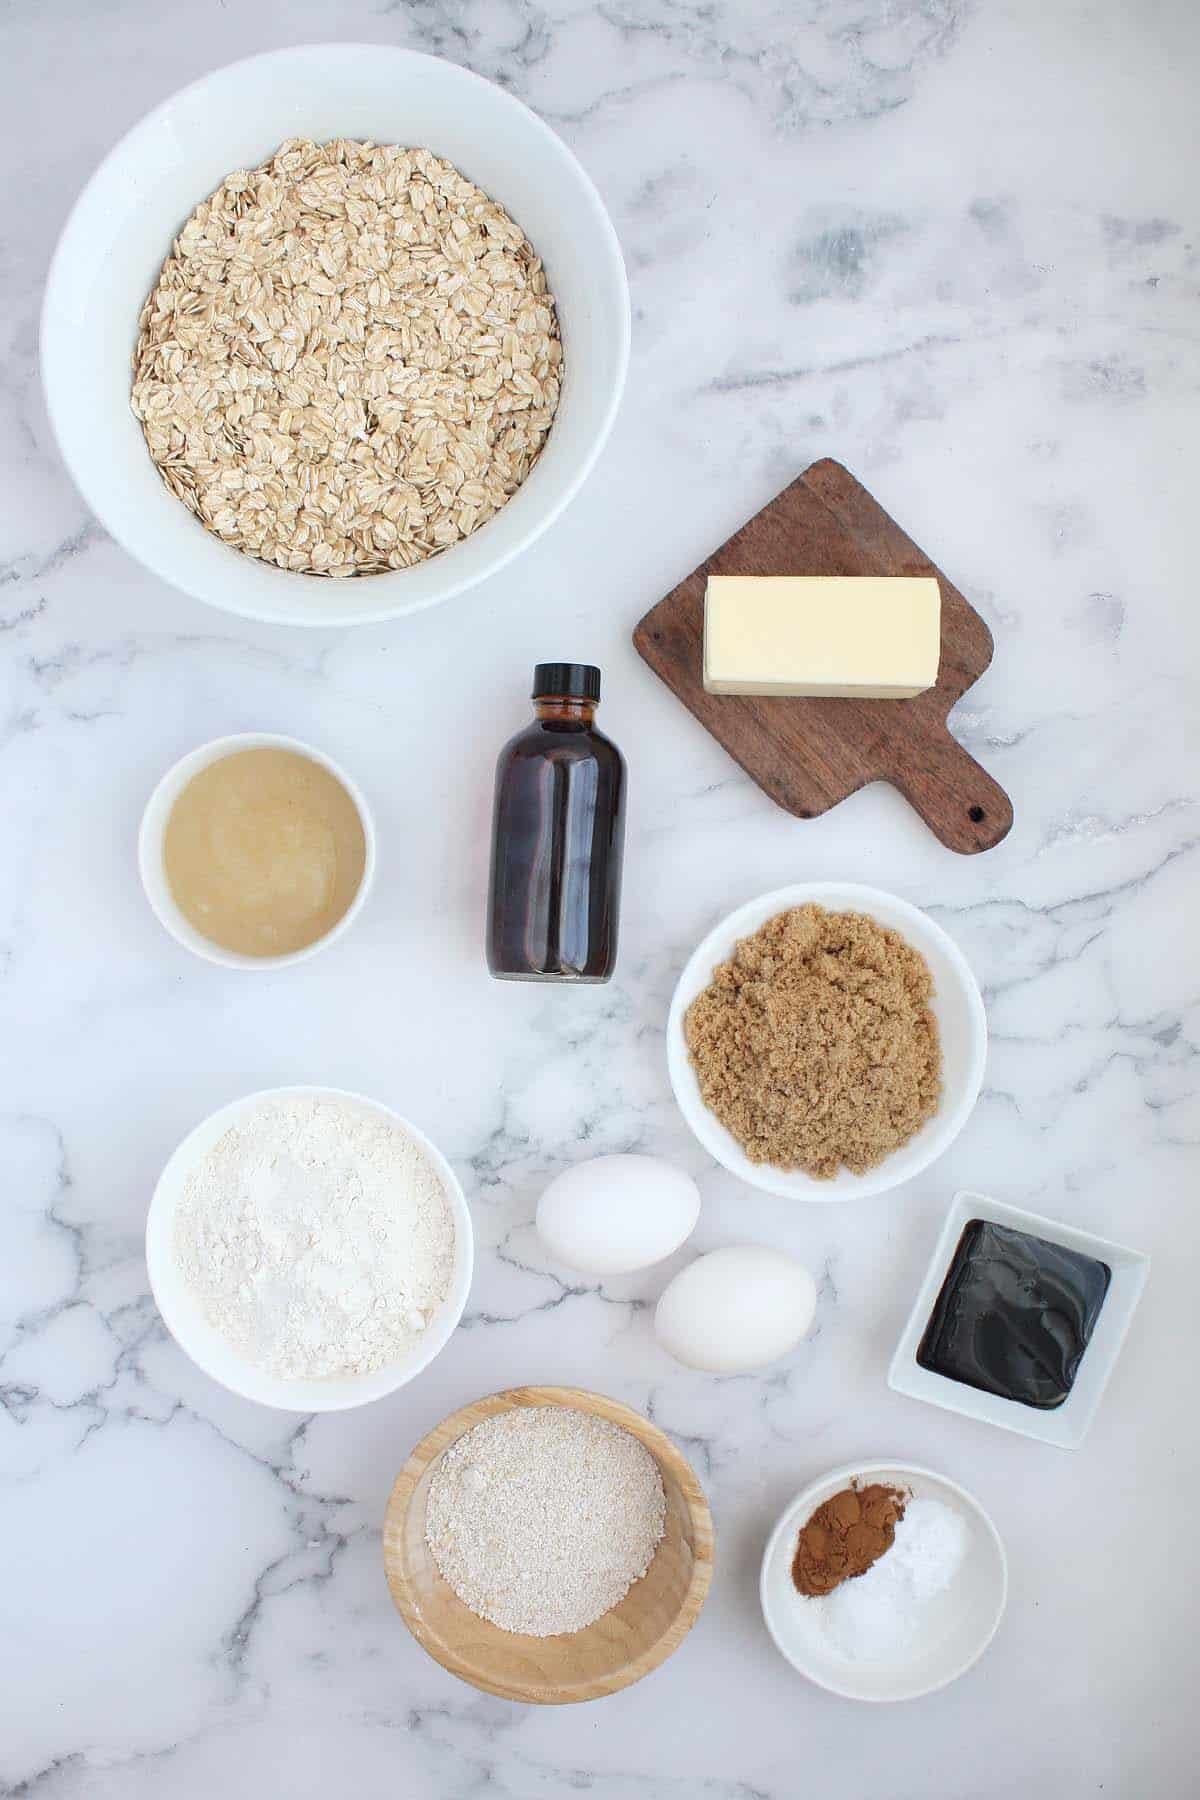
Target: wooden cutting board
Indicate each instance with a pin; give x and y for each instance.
(809, 754)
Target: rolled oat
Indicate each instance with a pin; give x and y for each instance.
(350, 360)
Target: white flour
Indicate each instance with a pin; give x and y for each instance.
(542, 1518)
(317, 1237)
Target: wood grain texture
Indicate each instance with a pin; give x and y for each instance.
(809, 754)
(617, 1649)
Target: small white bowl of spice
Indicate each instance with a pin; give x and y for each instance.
(883, 1581)
(826, 1041)
(256, 851)
(309, 1249)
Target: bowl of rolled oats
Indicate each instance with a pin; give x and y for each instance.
(334, 334)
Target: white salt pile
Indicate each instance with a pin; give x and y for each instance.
(879, 1615)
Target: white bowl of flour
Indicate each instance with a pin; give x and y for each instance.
(309, 1248)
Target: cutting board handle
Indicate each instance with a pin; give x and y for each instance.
(955, 796)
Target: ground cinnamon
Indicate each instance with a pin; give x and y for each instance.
(845, 1536)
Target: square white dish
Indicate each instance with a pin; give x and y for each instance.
(1066, 1425)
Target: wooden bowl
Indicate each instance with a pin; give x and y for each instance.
(617, 1649)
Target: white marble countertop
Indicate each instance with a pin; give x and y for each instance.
(953, 245)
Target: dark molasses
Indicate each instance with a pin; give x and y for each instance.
(1015, 1315)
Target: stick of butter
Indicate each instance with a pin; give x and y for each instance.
(834, 636)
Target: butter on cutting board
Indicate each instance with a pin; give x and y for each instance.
(859, 637)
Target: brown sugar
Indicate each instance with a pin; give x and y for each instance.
(815, 1044)
(845, 1536)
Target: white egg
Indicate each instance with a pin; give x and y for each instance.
(617, 1213)
(736, 1309)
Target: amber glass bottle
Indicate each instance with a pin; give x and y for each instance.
(557, 838)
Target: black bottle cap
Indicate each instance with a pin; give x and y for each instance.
(575, 681)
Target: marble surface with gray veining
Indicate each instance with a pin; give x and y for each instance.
(953, 243)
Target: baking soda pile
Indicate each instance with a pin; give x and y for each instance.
(879, 1614)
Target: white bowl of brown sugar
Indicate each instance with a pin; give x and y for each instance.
(826, 1041)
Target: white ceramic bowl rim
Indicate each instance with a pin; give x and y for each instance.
(957, 1004)
(326, 90)
(153, 827)
(800, 1508)
(209, 1351)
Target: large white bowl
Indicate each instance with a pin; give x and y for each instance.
(121, 229)
(957, 1005)
(957, 1629)
(186, 1323)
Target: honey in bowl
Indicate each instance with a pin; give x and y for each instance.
(264, 852)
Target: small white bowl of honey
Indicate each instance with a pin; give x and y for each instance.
(256, 851)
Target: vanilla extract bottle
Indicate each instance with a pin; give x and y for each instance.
(557, 838)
